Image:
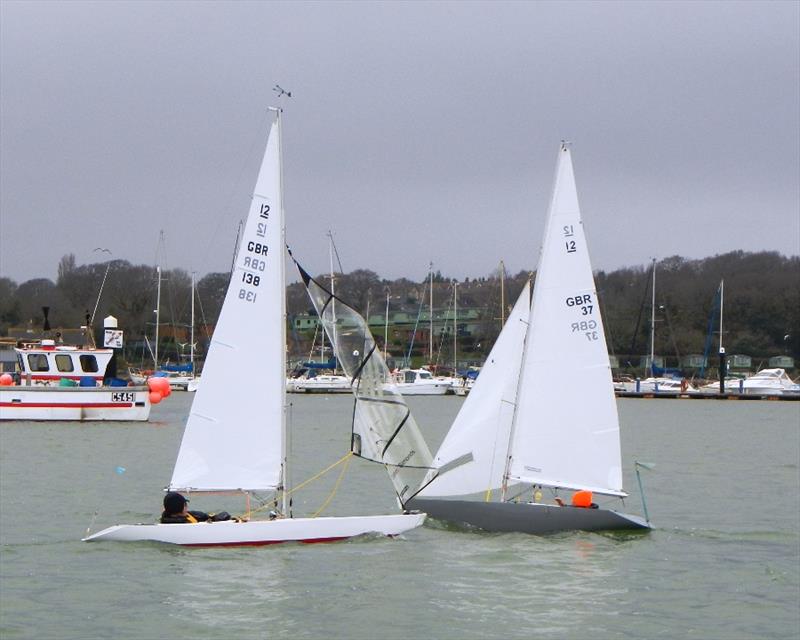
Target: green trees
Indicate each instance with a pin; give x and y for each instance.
(762, 301)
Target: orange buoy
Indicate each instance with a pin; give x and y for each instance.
(6, 380)
(582, 499)
(155, 397)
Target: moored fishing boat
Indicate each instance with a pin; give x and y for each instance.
(58, 382)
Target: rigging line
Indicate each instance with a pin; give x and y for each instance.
(310, 480)
(335, 488)
(414, 334)
(320, 474)
(641, 311)
(335, 252)
(393, 465)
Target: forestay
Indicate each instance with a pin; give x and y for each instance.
(384, 430)
(472, 458)
(566, 428)
(234, 435)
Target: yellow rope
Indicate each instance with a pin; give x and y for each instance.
(335, 488)
(321, 473)
(344, 458)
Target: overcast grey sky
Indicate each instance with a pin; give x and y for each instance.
(417, 132)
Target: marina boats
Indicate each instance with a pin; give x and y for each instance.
(420, 382)
(76, 383)
(181, 377)
(516, 434)
(235, 436)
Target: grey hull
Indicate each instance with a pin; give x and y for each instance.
(525, 517)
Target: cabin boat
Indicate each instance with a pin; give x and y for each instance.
(769, 382)
(58, 382)
(420, 382)
(320, 383)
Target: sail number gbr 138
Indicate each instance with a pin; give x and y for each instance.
(586, 325)
(255, 261)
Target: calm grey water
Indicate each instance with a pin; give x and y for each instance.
(723, 563)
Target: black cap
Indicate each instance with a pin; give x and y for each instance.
(173, 502)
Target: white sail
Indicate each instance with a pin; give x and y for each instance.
(566, 428)
(472, 457)
(384, 430)
(234, 435)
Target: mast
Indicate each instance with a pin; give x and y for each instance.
(158, 315)
(722, 356)
(721, 294)
(430, 347)
(281, 362)
(191, 328)
(653, 320)
(386, 328)
(502, 294)
(455, 327)
(333, 293)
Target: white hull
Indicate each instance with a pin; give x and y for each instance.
(261, 532)
(319, 384)
(432, 388)
(74, 403)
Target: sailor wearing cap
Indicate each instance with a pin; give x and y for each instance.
(176, 511)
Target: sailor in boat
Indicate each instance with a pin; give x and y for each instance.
(177, 512)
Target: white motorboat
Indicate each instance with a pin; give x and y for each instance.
(655, 385)
(320, 383)
(768, 382)
(420, 382)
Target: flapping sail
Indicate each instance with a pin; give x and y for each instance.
(472, 458)
(566, 428)
(384, 430)
(234, 435)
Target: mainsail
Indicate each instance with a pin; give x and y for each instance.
(472, 457)
(384, 430)
(234, 435)
(566, 429)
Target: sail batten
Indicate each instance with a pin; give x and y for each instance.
(234, 435)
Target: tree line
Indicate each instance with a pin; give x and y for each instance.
(761, 305)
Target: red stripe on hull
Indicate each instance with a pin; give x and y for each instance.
(66, 405)
(263, 543)
(51, 377)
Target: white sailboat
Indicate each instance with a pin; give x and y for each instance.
(235, 436)
(517, 432)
